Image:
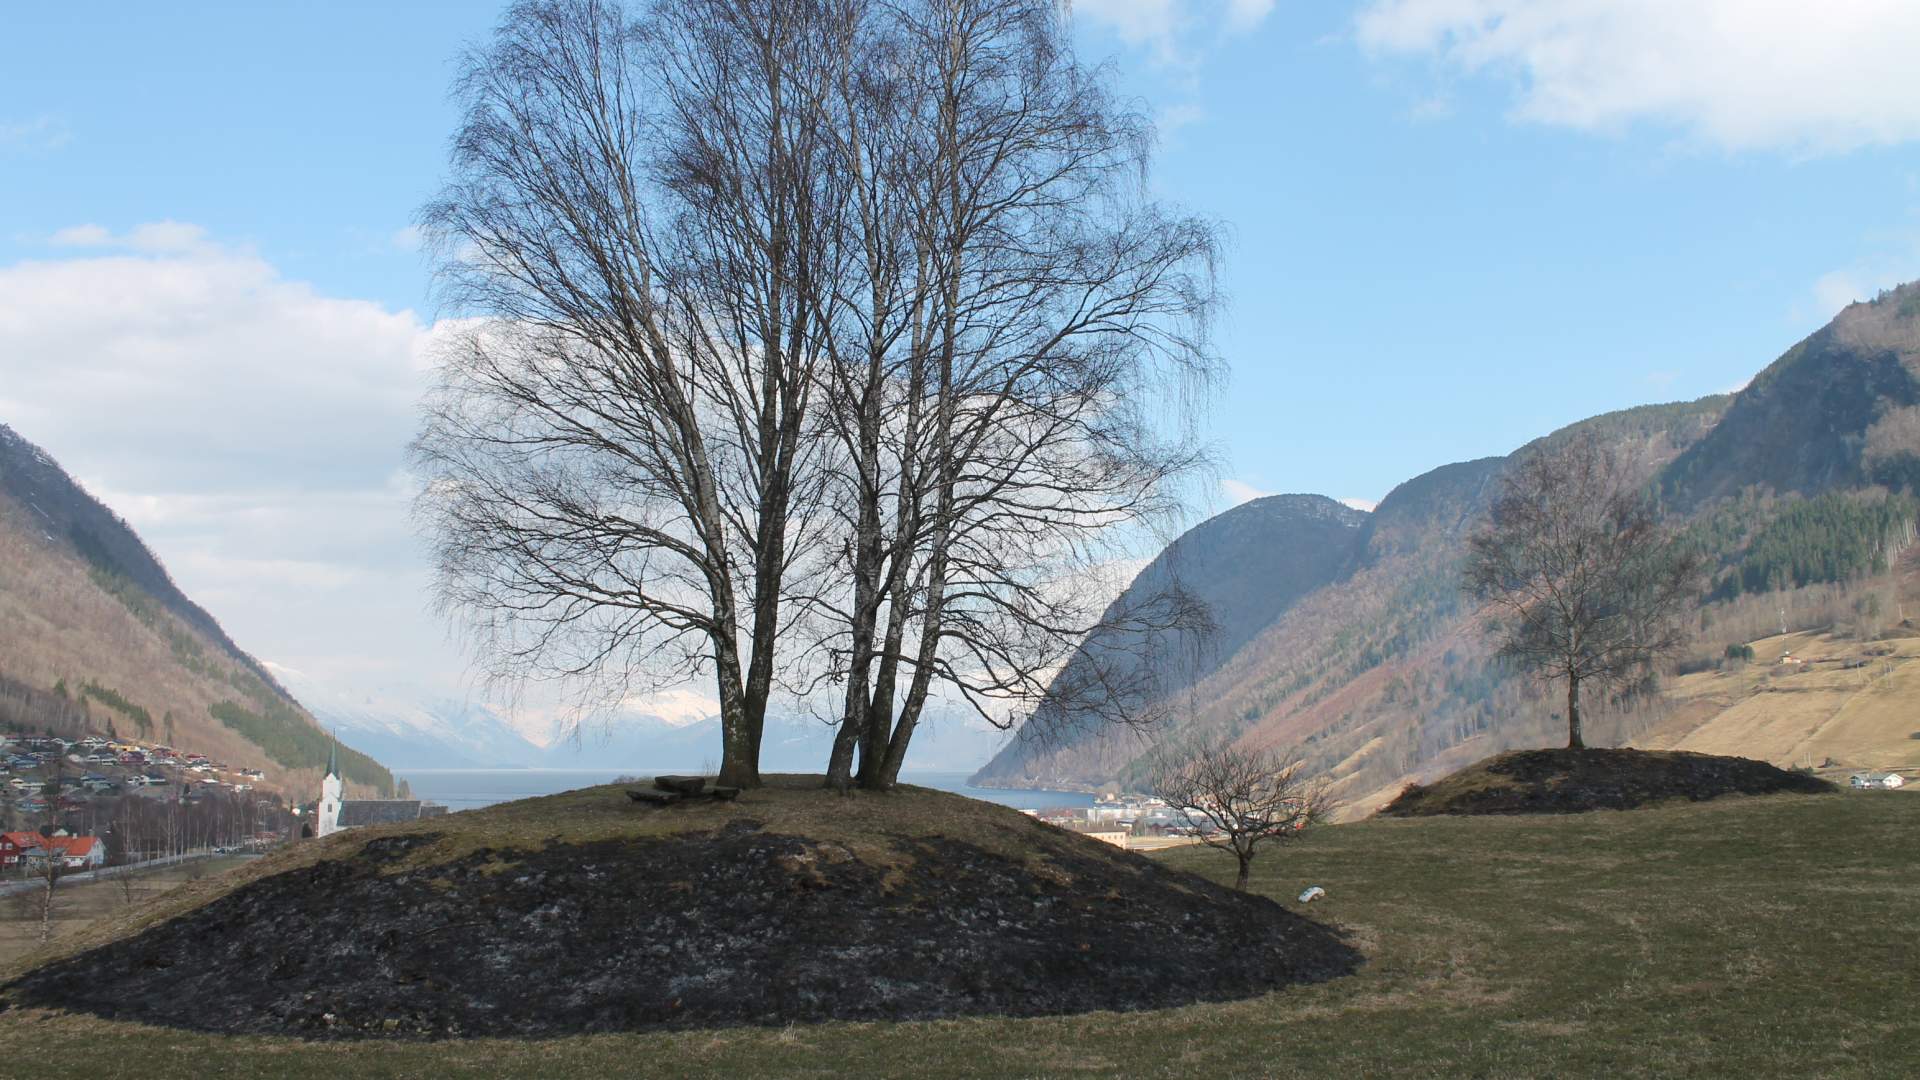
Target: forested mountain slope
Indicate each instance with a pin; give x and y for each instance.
(85, 607)
(1838, 410)
(1383, 674)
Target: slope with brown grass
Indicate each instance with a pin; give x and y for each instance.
(83, 601)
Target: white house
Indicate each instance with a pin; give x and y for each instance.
(1884, 780)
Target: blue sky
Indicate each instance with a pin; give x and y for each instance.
(1456, 225)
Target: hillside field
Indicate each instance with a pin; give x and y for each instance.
(1747, 936)
(1819, 713)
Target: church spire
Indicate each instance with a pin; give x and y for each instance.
(333, 755)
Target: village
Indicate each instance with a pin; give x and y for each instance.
(1130, 822)
(96, 801)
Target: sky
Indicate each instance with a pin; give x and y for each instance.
(1455, 225)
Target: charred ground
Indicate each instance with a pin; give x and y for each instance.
(757, 913)
(1572, 781)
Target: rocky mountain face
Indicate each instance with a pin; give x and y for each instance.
(87, 608)
(1354, 644)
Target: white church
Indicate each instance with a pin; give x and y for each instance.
(336, 812)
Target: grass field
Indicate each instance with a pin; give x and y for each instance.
(1743, 937)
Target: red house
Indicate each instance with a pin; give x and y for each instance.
(13, 843)
(74, 852)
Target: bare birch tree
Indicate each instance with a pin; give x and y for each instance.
(1585, 585)
(48, 865)
(1237, 798)
(1030, 327)
(643, 217)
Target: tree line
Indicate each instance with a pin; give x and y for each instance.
(1832, 538)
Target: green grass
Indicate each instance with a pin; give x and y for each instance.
(1743, 937)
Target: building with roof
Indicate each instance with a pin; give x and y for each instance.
(1883, 780)
(335, 812)
(14, 844)
(1106, 834)
(74, 852)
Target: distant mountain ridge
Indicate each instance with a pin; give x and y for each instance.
(1379, 671)
(413, 728)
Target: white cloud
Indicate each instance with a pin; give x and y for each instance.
(152, 238)
(1173, 32)
(251, 428)
(1174, 117)
(1136, 22)
(1247, 14)
(39, 134)
(1369, 505)
(166, 237)
(81, 236)
(1739, 74)
(1239, 491)
(253, 431)
(1888, 258)
(1836, 289)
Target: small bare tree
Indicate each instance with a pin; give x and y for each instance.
(47, 865)
(130, 889)
(1237, 797)
(1585, 584)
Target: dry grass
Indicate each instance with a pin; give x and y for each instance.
(1803, 715)
(80, 905)
(1742, 937)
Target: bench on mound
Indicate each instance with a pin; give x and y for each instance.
(668, 790)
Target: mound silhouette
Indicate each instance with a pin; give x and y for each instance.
(1572, 781)
(791, 905)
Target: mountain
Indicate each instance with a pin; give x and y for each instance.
(1373, 666)
(1247, 566)
(408, 727)
(87, 611)
(413, 728)
(1834, 411)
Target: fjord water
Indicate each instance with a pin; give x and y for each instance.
(469, 789)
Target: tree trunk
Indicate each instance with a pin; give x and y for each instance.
(1574, 741)
(866, 605)
(917, 687)
(739, 757)
(1246, 866)
(46, 910)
